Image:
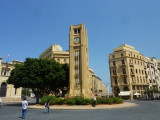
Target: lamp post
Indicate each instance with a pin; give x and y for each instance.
(108, 89)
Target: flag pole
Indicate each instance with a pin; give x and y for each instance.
(8, 58)
(7, 61)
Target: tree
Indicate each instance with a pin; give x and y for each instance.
(41, 75)
(65, 84)
(26, 92)
(151, 91)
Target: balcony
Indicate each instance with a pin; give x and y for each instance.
(113, 66)
(114, 84)
(123, 65)
(124, 74)
(134, 83)
(114, 75)
(132, 74)
(124, 84)
(131, 64)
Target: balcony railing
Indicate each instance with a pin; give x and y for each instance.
(132, 73)
(114, 74)
(123, 65)
(124, 74)
(131, 64)
(115, 84)
(113, 66)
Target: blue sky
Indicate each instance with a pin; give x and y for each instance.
(28, 27)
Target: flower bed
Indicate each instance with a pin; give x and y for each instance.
(80, 100)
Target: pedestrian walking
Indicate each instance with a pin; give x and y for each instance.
(0, 102)
(24, 107)
(94, 101)
(46, 106)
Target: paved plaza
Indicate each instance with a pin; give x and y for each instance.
(144, 110)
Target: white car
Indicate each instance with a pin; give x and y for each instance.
(0, 100)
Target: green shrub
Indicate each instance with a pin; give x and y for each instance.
(117, 100)
(85, 102)
(51, 98)
(79, 100)
(60, 101)
(90, 101)
(106, 101)
(99, 101)
(110, 101)
(71, 101)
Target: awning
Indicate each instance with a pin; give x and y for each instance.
(137, 93)
(125, 93)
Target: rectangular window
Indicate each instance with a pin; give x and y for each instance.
(133, 87)
(123, 62)
(124, 71)
(125, 80)
(2, 72)
(79, 30)
(116, 81)
(75, 31)
(77, 67)
(114, 63)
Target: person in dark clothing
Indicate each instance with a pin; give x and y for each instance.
(46, 106)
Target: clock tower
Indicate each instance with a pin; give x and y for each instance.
(79, 62)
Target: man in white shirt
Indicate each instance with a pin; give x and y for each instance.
(94, 100)
(24, 107)
(0, 102)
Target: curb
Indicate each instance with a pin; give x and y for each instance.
(85, 107)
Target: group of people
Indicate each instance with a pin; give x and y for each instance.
(25, 104)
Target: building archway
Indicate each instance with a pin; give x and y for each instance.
(3, 89)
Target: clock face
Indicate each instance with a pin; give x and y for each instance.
(77, 40)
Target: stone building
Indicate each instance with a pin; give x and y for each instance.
(127, 72)
(8, 92)
(56, 53)
(96, 85)
(152, 73)
(158, 62)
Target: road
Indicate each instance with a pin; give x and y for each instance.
(146, 110)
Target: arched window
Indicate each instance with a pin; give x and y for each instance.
(3, 89)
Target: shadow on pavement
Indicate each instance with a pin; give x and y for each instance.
(16, 104)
